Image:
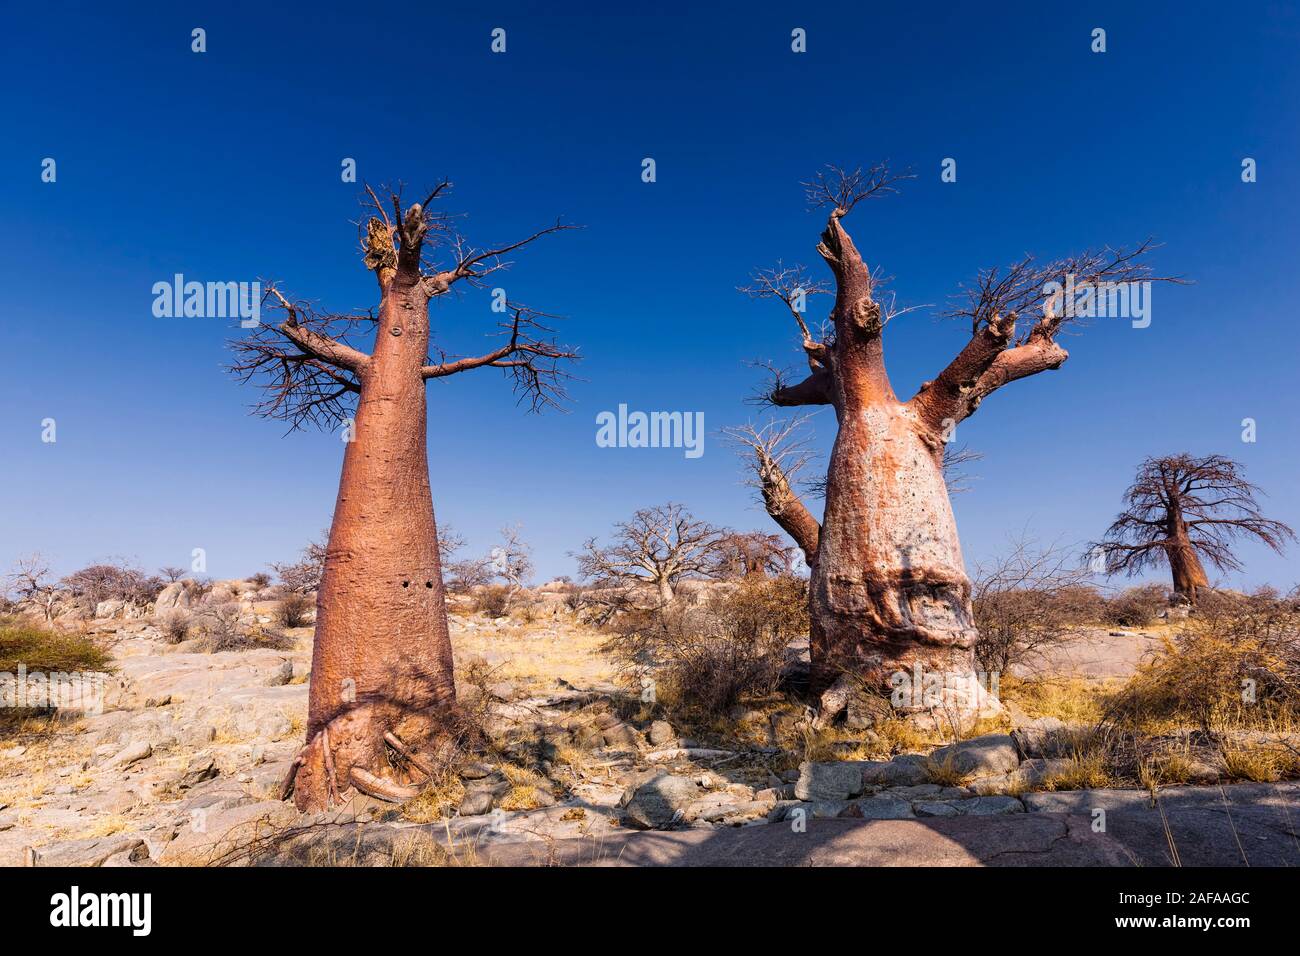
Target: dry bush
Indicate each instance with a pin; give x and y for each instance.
(493, 600)
(1238, 665)
(527, 609)
(294, 609)
(304, 574)
(175, 626)
(259, 580)
(1136, 607)
(466, 738)
(223, 629)
(1079, 604)
(706, 657)
(113, 580)
(1024, 603)
(462, 577)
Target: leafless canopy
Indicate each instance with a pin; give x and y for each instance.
(790, 284)
(741, 554)
(1028, 288)
(310, 364)
(1208, 497)
(30, 581)
(839, 190)
(1014, 313)
(657, 546)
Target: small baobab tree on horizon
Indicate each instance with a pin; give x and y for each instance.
(888, 589)
(655, 548)
(381, 676)
(1182, 511)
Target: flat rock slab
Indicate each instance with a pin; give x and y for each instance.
(1245, 824)
(1022, 839)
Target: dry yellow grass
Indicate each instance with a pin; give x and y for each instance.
(944, 772)
(1073, 700)
(104, 826)
(536, 653)
(1086, 771)
(1260, 763)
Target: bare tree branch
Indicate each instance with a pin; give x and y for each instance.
(840, 190)
(776, 453)
(531, 360)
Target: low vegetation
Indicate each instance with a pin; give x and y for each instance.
(43, 649)
(703, 658)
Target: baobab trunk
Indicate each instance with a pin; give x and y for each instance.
(1186, 567)
(889, 591)
(382, 660)
(382, 675)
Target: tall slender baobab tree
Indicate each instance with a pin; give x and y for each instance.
(888, 588)
(1181, 509)
(381, 675)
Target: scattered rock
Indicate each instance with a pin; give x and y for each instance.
(476, 802)
(881, 807)
(91, 852)
(1038, 736)
(282, 675)
(972, 806)
(210, 834)
(990, 805)
(620, 735)
(659, 801)
(829, 781)
(200, 769)
(661, 733)
(905, 770)
(133, 753)
(980, 756)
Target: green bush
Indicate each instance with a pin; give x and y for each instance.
(43, 649)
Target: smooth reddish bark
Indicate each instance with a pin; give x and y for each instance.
(382, 658)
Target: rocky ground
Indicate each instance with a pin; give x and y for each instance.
(184, 764)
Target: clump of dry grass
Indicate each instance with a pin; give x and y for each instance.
(1072, 700)
(1259, 763)
(944, 772)
(1086, 770)
(1164, 768)
(1237, 666)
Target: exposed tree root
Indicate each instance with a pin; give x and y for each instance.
(379, 788)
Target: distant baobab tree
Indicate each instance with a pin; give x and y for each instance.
(888, 589)
(657, 547)
(742, 554)
(1182, 510)
(382, 668)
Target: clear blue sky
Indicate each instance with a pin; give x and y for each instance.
(225, 166)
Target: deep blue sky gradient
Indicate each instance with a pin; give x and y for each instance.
(225, 166)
